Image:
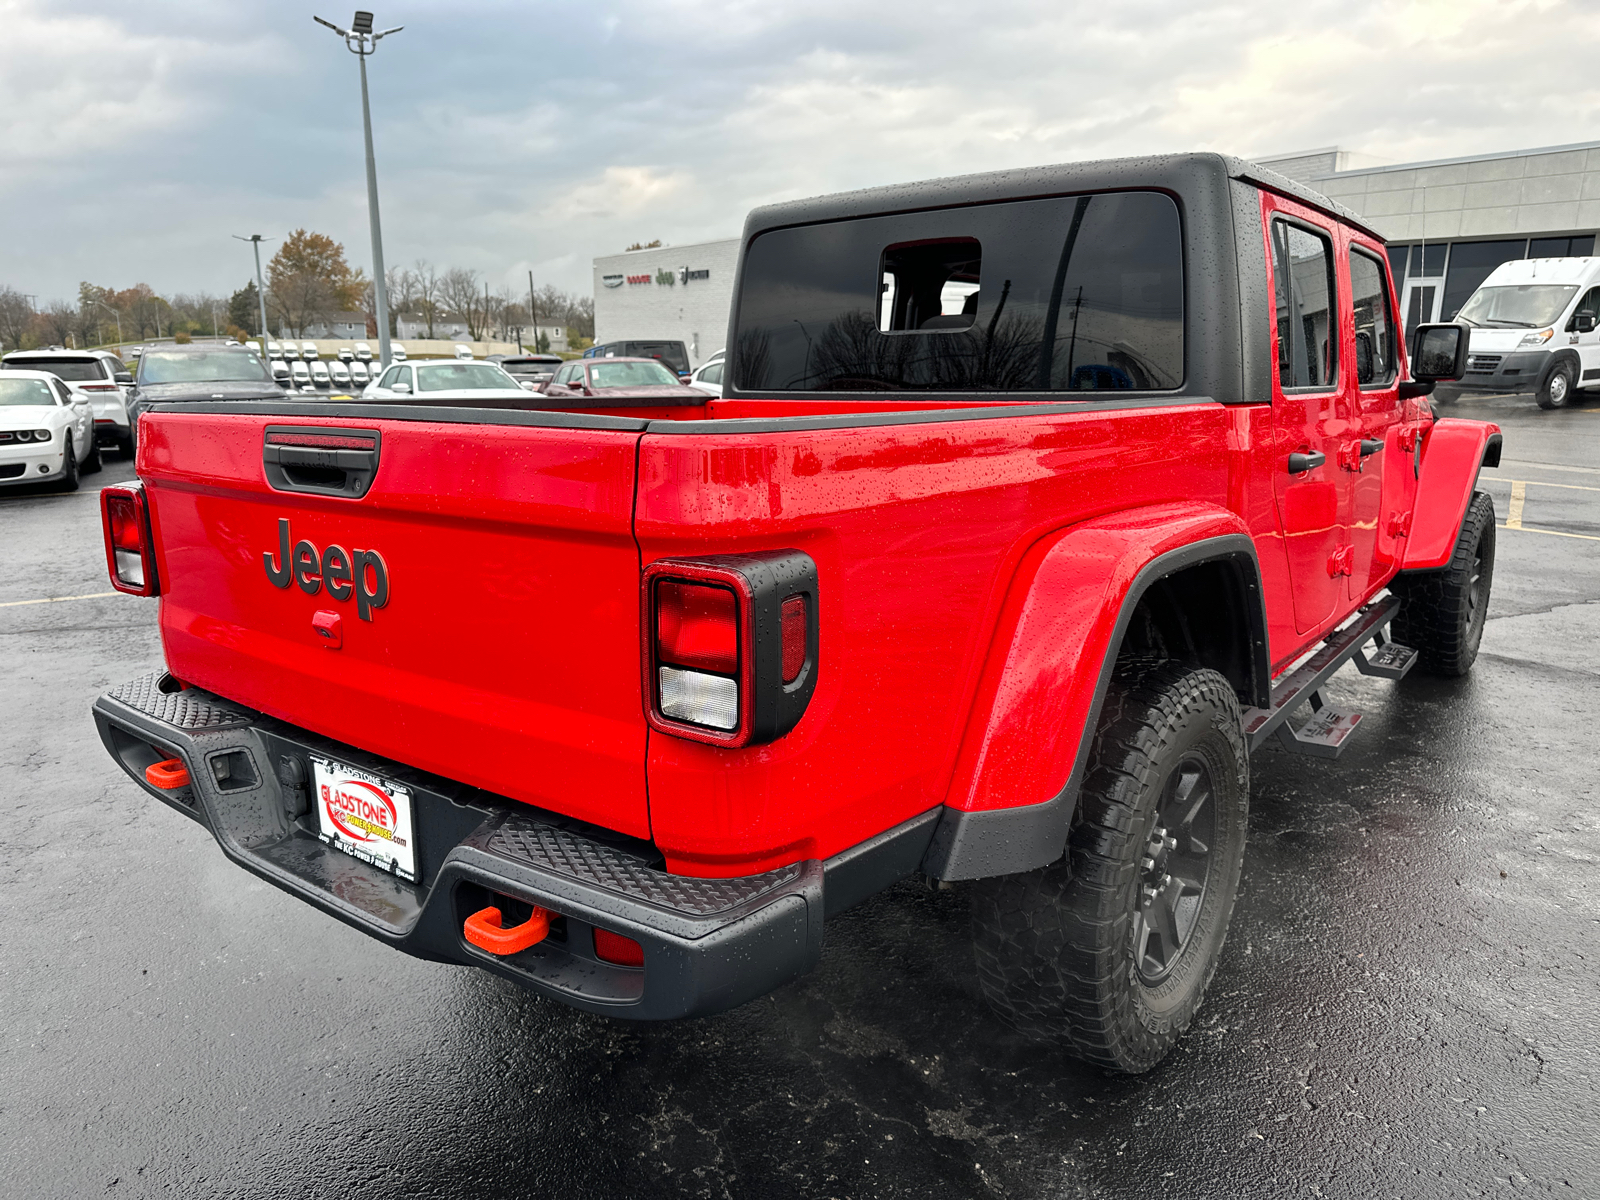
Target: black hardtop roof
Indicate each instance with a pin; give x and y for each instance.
(1172, 171)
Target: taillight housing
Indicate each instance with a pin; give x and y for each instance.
(130, 550)
(730, 645)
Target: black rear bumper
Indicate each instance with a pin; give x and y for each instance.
(709, 944)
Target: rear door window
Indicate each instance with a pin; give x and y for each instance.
(1308, 336)
(1374, 308)
(1072, 293)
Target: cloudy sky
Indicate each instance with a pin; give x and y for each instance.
(539, 133)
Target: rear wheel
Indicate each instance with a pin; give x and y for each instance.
(92, 464)
(1442, 612)
(1559, 386)
(1110, 949)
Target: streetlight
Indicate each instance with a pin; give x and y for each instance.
(361, 41)
(115, 314)
(261, 288)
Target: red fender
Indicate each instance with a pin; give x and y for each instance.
(1453, 451)
(1055, 641)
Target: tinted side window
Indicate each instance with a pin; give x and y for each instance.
(1074, 293)
(1308, 336)
(1375, 340)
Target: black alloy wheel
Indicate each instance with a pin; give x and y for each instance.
(69, 472)
(1174, 871)
(1442, 612)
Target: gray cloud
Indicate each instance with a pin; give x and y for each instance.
(514, 136)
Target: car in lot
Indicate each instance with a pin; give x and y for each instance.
(277, 350)
(339, 374)
(629, 382)
(463, 352)
(346, 354)
(445, 380)
(708, 378)
(397, 351)
(97, 375)
(623, 704)
(363, 352)
(177, 375)
(46, 430)
(280, 373)
(531, 369)
(672, 353)
(300, 375)
(308, 351)
(320, 379)
(359, 376)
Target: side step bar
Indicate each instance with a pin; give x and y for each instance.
(1326, 733)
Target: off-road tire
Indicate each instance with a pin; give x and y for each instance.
(69, 475)
(1056, 947)
(1559, 388)
(1442, 612)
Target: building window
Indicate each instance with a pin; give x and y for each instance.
(1470, 264)
(1562, 247)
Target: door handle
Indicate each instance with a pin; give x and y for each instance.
(1370, 446)
(1300, 463)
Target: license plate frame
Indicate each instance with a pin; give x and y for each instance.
(366, 816)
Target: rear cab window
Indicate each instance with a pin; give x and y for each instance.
(1066, 294)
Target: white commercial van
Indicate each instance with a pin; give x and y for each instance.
(1534, 329)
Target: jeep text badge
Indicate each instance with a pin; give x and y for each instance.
(340, 572)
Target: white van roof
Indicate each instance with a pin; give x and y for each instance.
(1544, 270)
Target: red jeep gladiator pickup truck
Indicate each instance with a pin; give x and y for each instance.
(1037, 501)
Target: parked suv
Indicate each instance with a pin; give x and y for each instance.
(99, 377)
(1536, 329)
(1035, 503)
(673, 354)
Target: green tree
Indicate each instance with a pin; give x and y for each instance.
(244, 310)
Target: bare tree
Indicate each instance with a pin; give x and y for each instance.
(16, 310)
(425, 283)
(458, 289)
(57, 321)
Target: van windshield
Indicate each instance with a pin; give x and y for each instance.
(1520, 306)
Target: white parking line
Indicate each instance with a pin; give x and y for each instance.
(58, 599)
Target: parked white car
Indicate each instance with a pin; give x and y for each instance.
(363, 352)
(358, 375)
(1535, 328)
(708, 378)
(320, 379)
(99, 377)
(340, 374)
(397, 351)
(280, 373)
(445, 380)
(308, 351)
(346, 354)
(300, 373)
(463, 352)
(276, 350)
(46, 430)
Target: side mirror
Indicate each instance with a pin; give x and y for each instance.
(1441, 352)
(1583, 322)
(403, 388)
(529, 386)
(1364, 371)
(123, 377)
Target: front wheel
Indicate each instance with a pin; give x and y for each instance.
(1557, 389)
(1110, 949)
(69, 468)
(1442, 612)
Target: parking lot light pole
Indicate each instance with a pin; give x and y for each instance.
(261, 288)
(361, 41)
(115, 314)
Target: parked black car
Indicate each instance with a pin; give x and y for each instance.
(531, 368)
(176, 374)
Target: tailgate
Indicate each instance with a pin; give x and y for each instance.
(497, 640)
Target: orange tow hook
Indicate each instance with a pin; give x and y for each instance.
(168, 774)
(483, 930)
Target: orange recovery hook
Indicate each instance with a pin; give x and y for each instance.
(167, 774)
(484, 931)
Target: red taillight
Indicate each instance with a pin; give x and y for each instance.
(696, 627)
(129, 555)
(614, 948)
(100, 387)
(794, 637)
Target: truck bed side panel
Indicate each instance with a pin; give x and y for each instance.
(506, 655)
(916, 531)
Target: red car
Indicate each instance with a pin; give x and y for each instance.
(1036, 501)
(620, 383)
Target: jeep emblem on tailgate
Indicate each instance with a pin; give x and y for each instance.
(339, 571)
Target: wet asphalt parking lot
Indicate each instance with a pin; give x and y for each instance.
(1408, 1005)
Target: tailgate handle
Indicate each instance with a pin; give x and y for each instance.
(320, 459)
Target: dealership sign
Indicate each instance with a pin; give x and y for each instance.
(611, 280)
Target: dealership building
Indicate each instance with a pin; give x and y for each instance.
(1449, 223)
